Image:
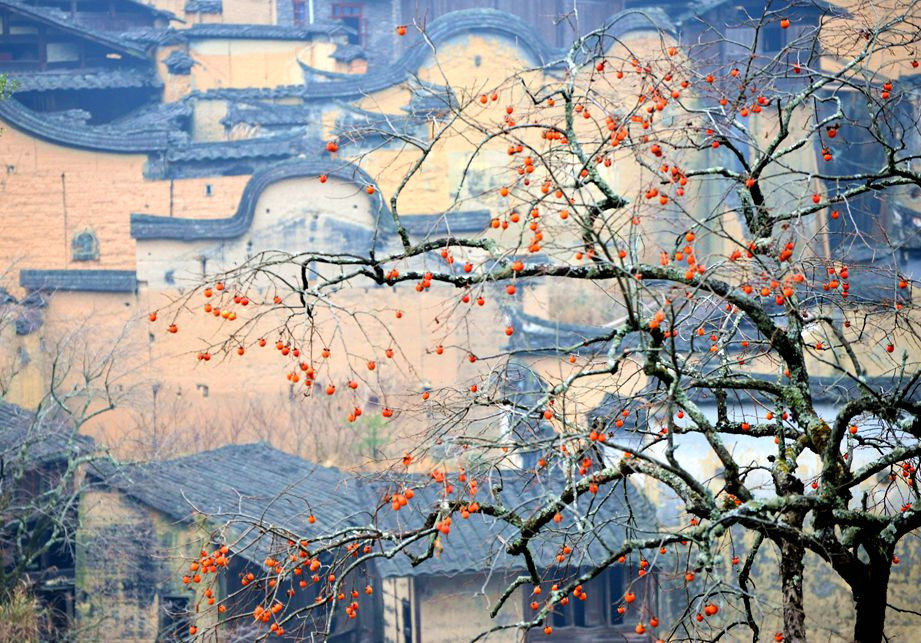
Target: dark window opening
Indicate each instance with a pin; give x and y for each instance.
(300, 12)
(599, 609)
(351, 16)
(772, 38)
(406, 608)
(174, 618)
(85, 246)
(615, 577)
(91, 107)
(22, 52)
(58, 600)
(342, 628)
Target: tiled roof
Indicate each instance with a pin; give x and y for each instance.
(252, 93)
(541, 335)
(148, 226)
(354, 124)
(477, 21)
(349, 52)
(170, 117)
(446, 223)
(84, 79)
(442, 29)
(825, 389)
(697, 9)
(254, 482)
(478, 543)
(315, 74)
(179, 62)
(96, 137)
(265, 113)
(149, 36)
(62, 20)
(208, 30)
(488, 21)
(429, 97)
(118, 139)
(204, 6)
(79, 280)
(538, 335)
(147, 130)
(636, 20)
(268, 147)
(42, 439)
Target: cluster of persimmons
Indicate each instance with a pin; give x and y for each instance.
(535, 203)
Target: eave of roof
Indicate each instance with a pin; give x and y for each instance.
(446, 223)
(179, 62)
(62, 21)
(220, 30)
(271, 487)
(262, 147)
(93, 137)
(696, 10)
(111, 138)
(266, 113)
(348, 53)
(440, 30)
(51, 437)
(204, 6)
(149, 226)
(253, 479)
(114, 281)
(84, 79)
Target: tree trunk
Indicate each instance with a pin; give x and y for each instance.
(791, 578)
(870, 604)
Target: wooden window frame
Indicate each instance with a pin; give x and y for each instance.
(362, 21)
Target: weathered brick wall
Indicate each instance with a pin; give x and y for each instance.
(118, 570)
(50, 192)
(454, 609)
(245, 63)
(128, 558)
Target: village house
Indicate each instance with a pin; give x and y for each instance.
(165, 512)
(147, 144)
(39, 496)
(213, 152)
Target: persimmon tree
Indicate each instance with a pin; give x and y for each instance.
(732, 214)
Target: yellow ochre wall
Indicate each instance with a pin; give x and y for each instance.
(51, 191)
